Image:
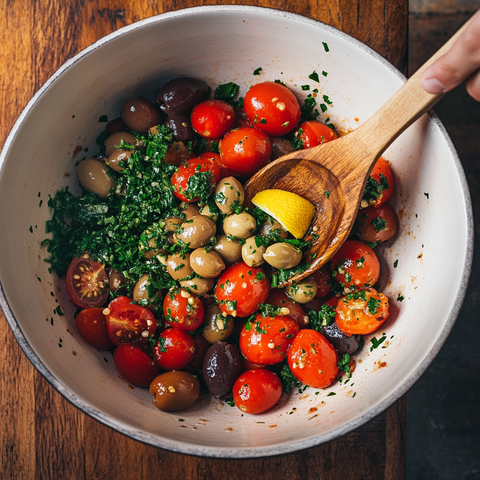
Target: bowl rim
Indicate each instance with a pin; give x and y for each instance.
(240, 452)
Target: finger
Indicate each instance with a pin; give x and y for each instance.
(458, 64)
(473, 86)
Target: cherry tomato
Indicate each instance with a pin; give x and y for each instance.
(87, 282)
(362, 312)
(92, 327)
(175, 349)
(245, 150)
(375, 225)
(278, 298)
(128, 322)
(380, 185)
(272, 107)
(257, 391)
(212, 118)
(182, 178)
(240, 289)
(266, 340)
(355, 264)
(134, 365)
(224, 172)
(313, 133)
(322, 277)
(312, 359)
(183, 310)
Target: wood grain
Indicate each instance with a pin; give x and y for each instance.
(43, 436)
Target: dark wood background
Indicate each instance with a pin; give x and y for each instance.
(42, 436)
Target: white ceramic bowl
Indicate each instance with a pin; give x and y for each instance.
(222, 44)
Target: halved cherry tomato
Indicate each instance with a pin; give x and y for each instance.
(375, 225)
(313, 133)
(272, 107)
(87, 282)
(175, 349)
(362, 312)
(312, 359)
(212, 118)
(245, 150)
(224, 172)
(134, 365)
(128, 322)
(183, 310)
(182, 178)
(278, 298)
(355, 264)
(257, 391)
(380, 184)
(240, 289)
(266, 340)
(92, 327)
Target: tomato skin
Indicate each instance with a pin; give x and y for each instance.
(240, 289)
(257, 391)
(187, 170)
(212, 118)
(175, 349)
(183, 310)
(134, 365)
(129, 323)
(376, 224)
(92, 327)
(312, 359)
(272, 107)
(383, 176)
(355, 316)
(87, 282)
(355, 264)
(313, 133)
(223, 171)
(245, 150)
(278, 298)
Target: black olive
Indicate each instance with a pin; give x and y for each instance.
(181, 94)
(222, 366)
(180, 126)
(341, 342)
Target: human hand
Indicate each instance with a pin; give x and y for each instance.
(461, 63)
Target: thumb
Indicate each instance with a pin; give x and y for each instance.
(459, 63)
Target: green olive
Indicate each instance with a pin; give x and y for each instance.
(198, 286)
(304, 291)
(197, 231)
(228, 248)
(178, 266)
(113, 160)
(229, 194)
(140, 294)
(114, 141)
(251, 254)
(217, 327)
(94, 176)
(273, 226)
(282, 255)
(206, 263)
(240, 225)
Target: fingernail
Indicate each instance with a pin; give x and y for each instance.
(432, 85)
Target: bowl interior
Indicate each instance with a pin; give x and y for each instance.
(427, 265)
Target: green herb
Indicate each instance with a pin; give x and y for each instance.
(379, 224)
(268, 310)
(230, 401)
(400, 298)
(427, 195)
(227, 92)
(325, 46)
(374, 189)
(321, 318)
(331, 394)
(314, 76)
(376, 343)
(344, 364)
(373, 305)
(288, 379)
(257, 71)
(395, 264)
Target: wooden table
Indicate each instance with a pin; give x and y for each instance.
(42, 436)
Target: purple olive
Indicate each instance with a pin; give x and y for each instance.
(341, 342)
(181, 94)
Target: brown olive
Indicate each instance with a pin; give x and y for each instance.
(303, 291)
(114, 141)
(113, 160)
(217, 327)
(140, 294)
(251, 254)
(173, 391)
(172, 224)
(140, 115)
(181, 94)
(148, 244)
(198, 286)
(282, 255)
(197, 231)
(201, 347)
(229, 194)
(189, 210)
(115, 280)
(240, 225)
(280, 147)
(177, 153)
(180, 126)
(229, 249)
(94, 176)
(207, 211)
(178, 266)
(268, 227)
(206, 263)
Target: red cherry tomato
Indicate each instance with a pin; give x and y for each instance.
(355, 264)
(380, 185)
(257, 391)
(362, 312)
(92, 327)
(313, 133)
(182, 178)
(240, 289)
(175, 349)
(312, 359)
(245, 150)
(266, 340)
(87, 282)
(128, 322)
(375, 225)
(212, 118)
(134, 365)
(224, 172)
(322, 277)
(272, 107)
(183, 310)
(278, 298)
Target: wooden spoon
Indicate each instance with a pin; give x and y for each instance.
(333, 175)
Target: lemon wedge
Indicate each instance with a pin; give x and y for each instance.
(292, 211)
